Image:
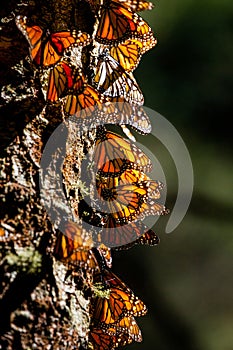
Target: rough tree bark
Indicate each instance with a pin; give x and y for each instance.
(38, 309)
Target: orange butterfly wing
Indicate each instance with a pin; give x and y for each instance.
(116, 24)
(33, 35)
(100, 340)
(82, 105)
(59, 81)
(125, 236)
(73, 246)
(102, 110)
(127, 54)
(121, 301)
(54, 48)
(126, 201)
(57, 44)
(132, 176)
(113, 154)
(116, 235)
(82, 99)
(126, 325)
(47, 49)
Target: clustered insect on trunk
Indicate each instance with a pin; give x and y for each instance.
(67, 205)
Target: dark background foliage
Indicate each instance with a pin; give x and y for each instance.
(187, 280)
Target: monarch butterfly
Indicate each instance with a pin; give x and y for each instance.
(113, 81)
(125, 200)
(118, 111)
(100, 340)
(117, 24)
(138, 209)
(113, 234)
(126, 325)
(121, 301)
(88, 105)
(47, 49)
(73, 246)
(113, 154)
(60, 79)
(82, 99)
(148, 238)
(130, 114)
(125, 236)
(144, 209)
(126, 113)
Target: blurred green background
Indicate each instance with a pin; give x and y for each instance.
(186, 281)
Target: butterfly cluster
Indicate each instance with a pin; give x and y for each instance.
(102, 83)
(113, 305)
(90, 77)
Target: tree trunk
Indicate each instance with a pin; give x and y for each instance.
(38, 308)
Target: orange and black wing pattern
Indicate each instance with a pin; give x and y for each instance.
(61, 79)
(113, 155)
(34, 36)
(120, 334)
(124, 201)
(100, 340)
(118, 302)
(82, 99)
(94, 85)
(117, 24)
(46, 49)
(125, 236)
(126, 325)
(73, 246)
(127, 54)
